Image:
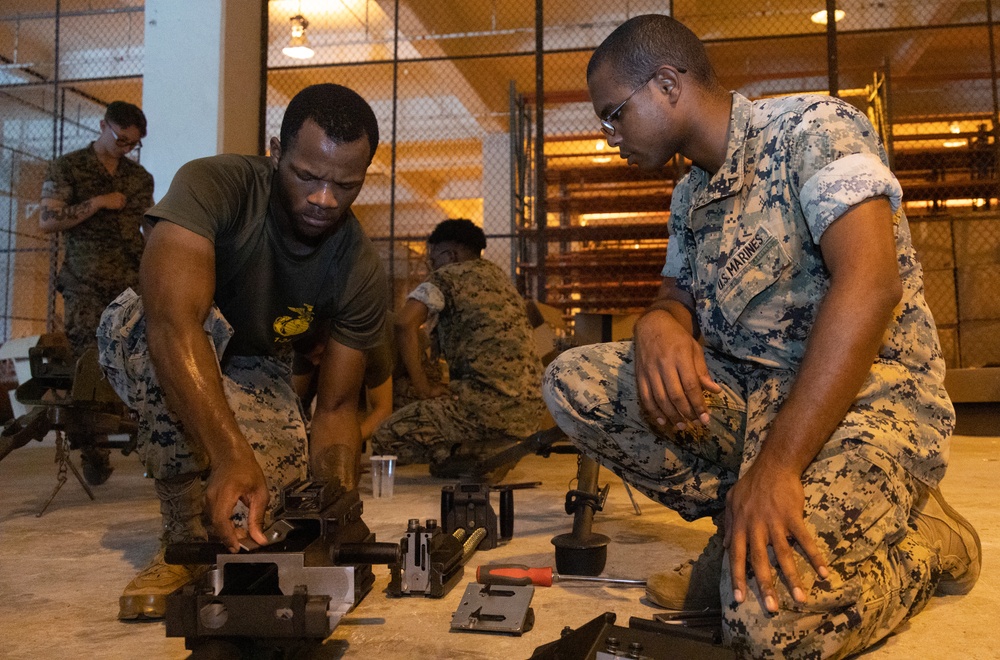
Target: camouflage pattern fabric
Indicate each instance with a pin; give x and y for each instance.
(882, 571)
(433, 430)
(102, 253)
(494, 374)
(857, 498)
(257, 390)
(82, 309)
(403, 393)
(745, 243)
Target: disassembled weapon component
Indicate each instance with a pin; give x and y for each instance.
(494, 608)
(582, 551)
(293, 591)
(467, 506)
(600, 639)
(433, 562)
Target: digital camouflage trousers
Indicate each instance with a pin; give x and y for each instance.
(257, 389)
(857, 499)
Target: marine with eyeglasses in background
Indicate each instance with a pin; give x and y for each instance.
(96, 198)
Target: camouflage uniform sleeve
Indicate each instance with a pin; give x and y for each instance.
(677, 265)
(430, 295)
(838, 162)
(58, 182)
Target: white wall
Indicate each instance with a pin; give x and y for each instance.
(201, 82)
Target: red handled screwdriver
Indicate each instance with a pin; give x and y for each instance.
(521, 575)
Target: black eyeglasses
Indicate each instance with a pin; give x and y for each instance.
(606, 126)
(122, 142)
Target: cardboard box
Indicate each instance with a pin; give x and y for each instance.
(978, 343)
(597, 328)
(549, 329)
(932, 242)
(977, 293)
(977, 240)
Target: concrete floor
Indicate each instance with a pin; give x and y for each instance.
(61, 574)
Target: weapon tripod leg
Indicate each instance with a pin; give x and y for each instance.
(62, 458)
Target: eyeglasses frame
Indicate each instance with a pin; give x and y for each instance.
(123, 142)
(606, 126)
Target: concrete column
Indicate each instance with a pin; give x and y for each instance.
(496, 198)
(201, 82)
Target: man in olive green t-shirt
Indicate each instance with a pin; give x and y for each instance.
(246, 254)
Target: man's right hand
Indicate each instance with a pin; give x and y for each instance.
(113, 201)
(237, 479)
(671, 371)
(432, 391)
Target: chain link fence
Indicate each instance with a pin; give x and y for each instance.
(457, 88)
(61, 64)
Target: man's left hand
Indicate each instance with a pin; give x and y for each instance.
(765, 508)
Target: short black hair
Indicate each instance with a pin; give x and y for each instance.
(459, 230)
(642, 44)
(341, 112)
(126, 115)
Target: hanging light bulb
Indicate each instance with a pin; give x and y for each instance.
(298, 45)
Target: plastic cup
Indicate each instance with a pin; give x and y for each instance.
(383, 476)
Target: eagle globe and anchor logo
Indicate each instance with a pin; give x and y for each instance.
(287, 327)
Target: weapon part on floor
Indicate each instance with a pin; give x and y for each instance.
(315, 567)
(433, 562)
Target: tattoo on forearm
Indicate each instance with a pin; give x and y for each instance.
(67, 212)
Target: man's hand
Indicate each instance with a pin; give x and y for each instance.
(765, 508)
(57, 216)
(113, 201)
(237, 479)
(432, 391)
(671, 371)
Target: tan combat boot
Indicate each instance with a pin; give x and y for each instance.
(956, 540)
(145, 597)
(693, 585)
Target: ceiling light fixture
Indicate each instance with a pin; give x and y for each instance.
(298, 45)
(820, 17)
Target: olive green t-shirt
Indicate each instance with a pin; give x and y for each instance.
(269, 295)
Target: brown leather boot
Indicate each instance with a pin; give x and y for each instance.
(693, 585)
(145, 597)
(958, 545)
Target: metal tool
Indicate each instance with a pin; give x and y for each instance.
(583, 551)
(542, 576)
(601, 639)
(495, 608)
(316, 566)
(432, 562)
(706, 618)
(467, 506)
(276, 533)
